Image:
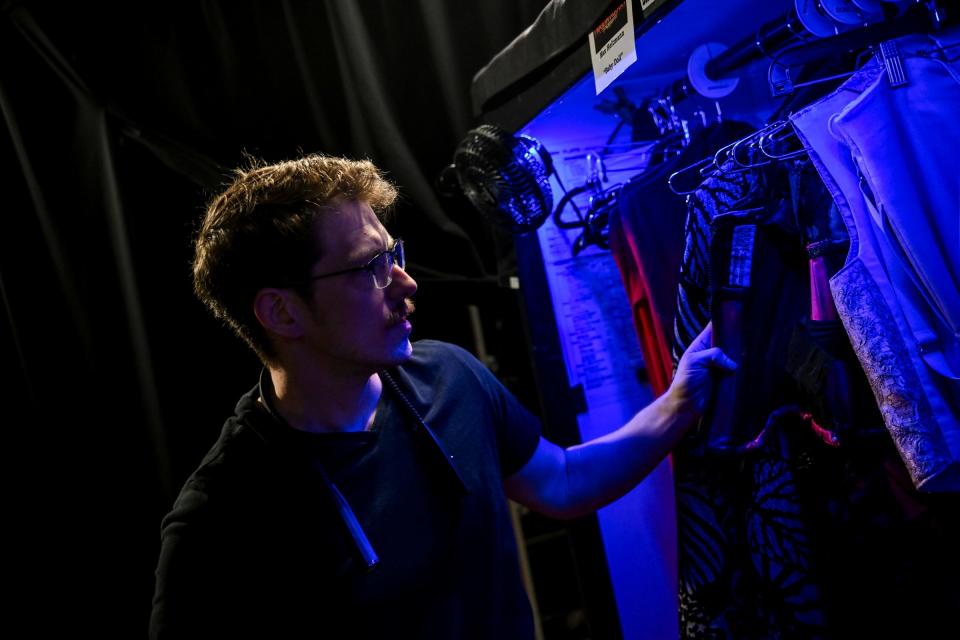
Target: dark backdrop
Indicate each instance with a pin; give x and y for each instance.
(118, 123)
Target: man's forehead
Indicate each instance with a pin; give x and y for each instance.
(351, 230)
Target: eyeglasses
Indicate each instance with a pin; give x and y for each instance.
(381, 266)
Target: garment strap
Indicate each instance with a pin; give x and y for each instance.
(420, 429)
(361, 544)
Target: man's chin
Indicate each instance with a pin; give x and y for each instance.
(401, 353)
(405, 350)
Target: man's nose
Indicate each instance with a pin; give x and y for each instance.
(401, 280)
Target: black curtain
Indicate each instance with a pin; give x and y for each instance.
(118, 123)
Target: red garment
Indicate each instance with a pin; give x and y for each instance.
(654, 339)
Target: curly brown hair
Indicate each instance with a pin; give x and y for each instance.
(259, 232)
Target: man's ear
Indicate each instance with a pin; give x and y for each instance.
(280, 312)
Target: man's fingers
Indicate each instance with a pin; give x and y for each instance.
(704, 340)
(717, 359)
(706, 355)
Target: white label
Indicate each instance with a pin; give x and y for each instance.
(741, 254)
(612, 47)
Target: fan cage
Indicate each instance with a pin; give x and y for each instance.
(506, 177)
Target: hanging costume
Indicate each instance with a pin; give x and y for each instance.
(646, 239)
(787, 496)
(885, 146)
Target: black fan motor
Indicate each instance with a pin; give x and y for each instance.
(506, 177)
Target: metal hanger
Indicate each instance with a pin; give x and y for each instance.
(699, 166)
(773, 137)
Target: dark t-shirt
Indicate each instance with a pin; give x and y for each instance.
(254, 546)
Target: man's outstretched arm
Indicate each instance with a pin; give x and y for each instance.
(565, 483)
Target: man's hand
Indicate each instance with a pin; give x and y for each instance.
(565, 483)
(693, 382)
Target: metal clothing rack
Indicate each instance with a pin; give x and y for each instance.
(789, 40)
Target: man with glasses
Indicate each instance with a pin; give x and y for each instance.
(360, 488)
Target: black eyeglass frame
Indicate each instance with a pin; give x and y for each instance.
(396, 257)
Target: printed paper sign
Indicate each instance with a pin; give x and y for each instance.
(612, 47)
